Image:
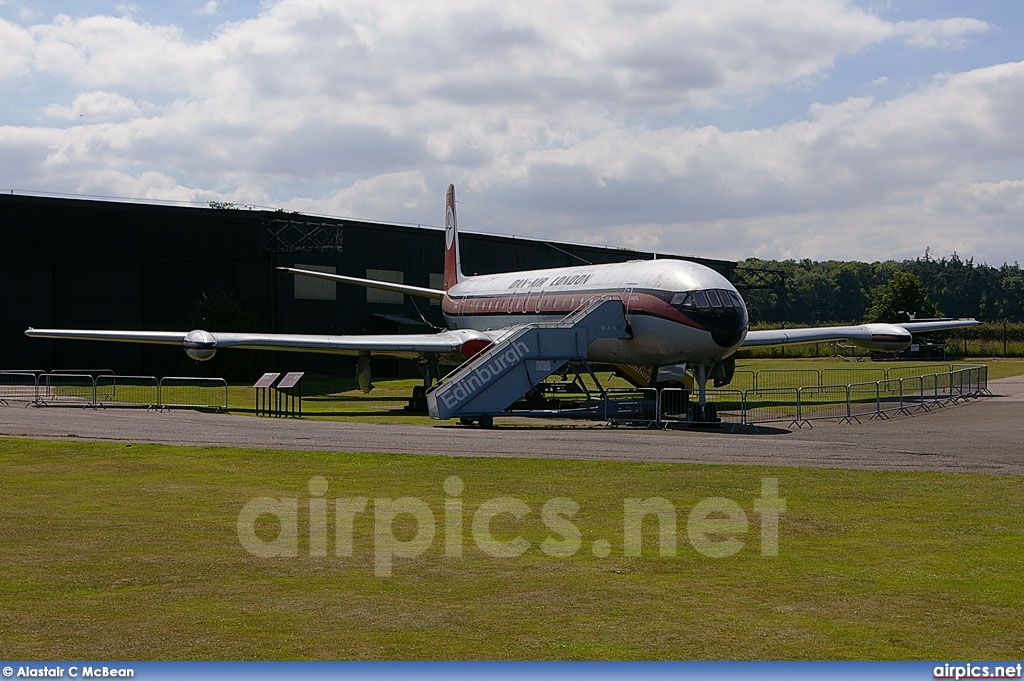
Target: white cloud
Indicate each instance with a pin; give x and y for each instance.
(566, 123)
(15, 51)
(941, 33)
(106, 51)
(97, 105)
(995, 198)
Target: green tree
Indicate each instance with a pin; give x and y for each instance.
(900, 298)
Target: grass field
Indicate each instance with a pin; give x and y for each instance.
(114, 551)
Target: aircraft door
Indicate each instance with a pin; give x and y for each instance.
(627, 299)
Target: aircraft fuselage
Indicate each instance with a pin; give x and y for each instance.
(677, 311)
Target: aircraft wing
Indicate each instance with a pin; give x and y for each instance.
(203, 344)
(870, 336)
(938, 325)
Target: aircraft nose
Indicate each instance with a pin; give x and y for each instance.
(727, 326)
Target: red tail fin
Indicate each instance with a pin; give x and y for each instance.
(452, 261)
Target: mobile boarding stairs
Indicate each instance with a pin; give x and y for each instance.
(494, 379)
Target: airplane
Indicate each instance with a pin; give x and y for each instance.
(680, 315)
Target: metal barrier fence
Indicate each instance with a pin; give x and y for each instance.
(70, 389)
(831, 402)
(910, 371)
(865, 400)
(772, 405)
(637, 407)
(725, 406)
(647, 407)
(848, 375)
(101, 389)
(939, 387)
(786, 378)
(193, 393)
(800, 405)
(127, 391)
(745, 379)
(18, 386)
(895, 394)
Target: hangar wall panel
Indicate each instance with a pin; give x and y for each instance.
(104, 264)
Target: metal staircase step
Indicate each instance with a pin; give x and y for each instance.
(498, 376)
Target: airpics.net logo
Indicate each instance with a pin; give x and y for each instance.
(405, 528)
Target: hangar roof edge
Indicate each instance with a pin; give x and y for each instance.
(246, 211)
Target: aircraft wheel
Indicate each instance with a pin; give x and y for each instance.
(466, 422)
(487, 421)
(418, 401)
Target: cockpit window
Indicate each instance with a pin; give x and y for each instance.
(707, 300)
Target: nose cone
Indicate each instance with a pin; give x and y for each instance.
(728, 326)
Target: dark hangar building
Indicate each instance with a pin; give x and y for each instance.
(73, 263)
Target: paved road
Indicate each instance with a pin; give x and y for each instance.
(985, 435)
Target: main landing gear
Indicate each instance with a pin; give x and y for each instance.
(417, 404)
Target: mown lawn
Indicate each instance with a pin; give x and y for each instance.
(114, 551)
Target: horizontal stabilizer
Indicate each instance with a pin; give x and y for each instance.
(421, 291)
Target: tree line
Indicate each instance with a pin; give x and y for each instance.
(843, 292)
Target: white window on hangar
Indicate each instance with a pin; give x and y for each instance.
(376, 295)
(308, 288)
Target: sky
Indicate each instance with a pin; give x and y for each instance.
(823, 129)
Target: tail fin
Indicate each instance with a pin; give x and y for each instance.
(452, 261)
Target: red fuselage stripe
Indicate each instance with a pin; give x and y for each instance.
(559, 304)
